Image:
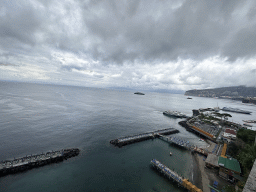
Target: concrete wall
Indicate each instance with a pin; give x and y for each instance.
(251, 181)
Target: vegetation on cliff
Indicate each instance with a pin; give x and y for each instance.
(244, 149)
(237, 91)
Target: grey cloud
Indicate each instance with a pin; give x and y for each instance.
(71, 66)
(2, 64)
(197, 30)
(180, 35)
(19, 21)
(242, 44)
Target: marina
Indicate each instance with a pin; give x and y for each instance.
(141, 137)
(32, 161)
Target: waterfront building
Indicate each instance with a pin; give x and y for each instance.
(229, 169)
(229, 133)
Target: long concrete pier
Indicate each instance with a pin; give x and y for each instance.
(31, 161)
(141, 137)
(172, 175)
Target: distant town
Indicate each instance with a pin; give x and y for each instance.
(241, 93)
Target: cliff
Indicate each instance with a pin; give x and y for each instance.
(231, 92)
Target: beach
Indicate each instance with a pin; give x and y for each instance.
(200, 174)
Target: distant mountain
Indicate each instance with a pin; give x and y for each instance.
(231, 92)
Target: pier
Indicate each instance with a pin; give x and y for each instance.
(176, 141)
(141, 137)
(183, 144)
(172, 175)
(32, 161)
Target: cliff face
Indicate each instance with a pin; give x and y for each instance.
(235, 92)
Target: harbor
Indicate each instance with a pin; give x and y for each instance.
(142, 137)
(32, 161)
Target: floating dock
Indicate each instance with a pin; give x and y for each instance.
(141, 137)
(29, 162)
(177, 141)
(172, 175)
(183, 144)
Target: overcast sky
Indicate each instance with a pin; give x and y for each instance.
(151, 44)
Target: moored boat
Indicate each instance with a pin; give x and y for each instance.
(235, 110)
(174, 114)
(247, 125)
(249, 121)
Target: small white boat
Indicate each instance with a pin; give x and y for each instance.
(201, 139)
(170, 153)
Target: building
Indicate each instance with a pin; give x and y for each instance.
(229, 169)
(212, 161)
(229, 134)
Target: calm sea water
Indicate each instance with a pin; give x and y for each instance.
(38, 118)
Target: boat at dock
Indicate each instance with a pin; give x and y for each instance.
(249, 121)
(247, 125)
(176, 114)
(235, 110)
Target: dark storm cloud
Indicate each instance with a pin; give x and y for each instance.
(242, 44)
(19, 21)
(168, 44)
(143, 31)
(153, 30)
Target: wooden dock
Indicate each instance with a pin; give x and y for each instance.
(141, 137)
(32, 161)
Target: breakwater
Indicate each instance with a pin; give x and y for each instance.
(32, 161)
(141, 137)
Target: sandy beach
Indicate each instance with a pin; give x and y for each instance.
(200, 175)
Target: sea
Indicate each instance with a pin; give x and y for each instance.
(36, 118)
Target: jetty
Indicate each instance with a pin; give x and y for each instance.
(172, 175)
(142, 137)
(32, 161)
(183, 144)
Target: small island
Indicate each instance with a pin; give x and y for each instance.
(139, 93)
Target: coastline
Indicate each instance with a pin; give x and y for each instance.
(200, 176)
(196, 173)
